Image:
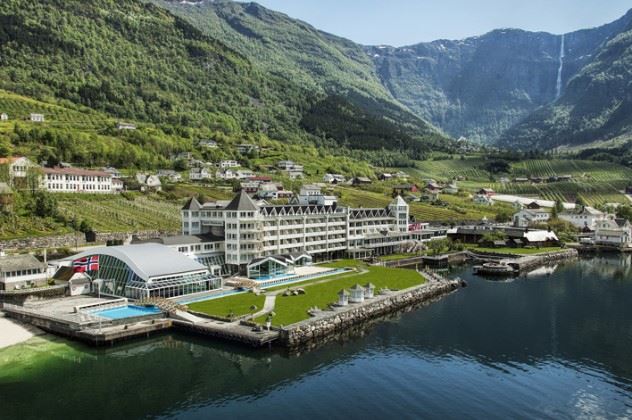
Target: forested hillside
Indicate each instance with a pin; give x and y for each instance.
(136, 60)
(322, 64)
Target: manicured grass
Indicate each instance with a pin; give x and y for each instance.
(239, 304)
(515, 251)
(292, 309)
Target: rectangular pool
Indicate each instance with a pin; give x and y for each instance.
(129, 311)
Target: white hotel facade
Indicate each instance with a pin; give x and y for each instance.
(253, 230)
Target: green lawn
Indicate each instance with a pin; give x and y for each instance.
(292, 309)
(515, 251)
(239, 304)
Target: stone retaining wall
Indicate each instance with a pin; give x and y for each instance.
(78, 239)
(321, 326)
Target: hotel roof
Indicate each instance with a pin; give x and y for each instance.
(148, 261)
(76, 171)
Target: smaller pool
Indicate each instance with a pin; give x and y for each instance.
(127, 312)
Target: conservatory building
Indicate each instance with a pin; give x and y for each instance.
(145, 270)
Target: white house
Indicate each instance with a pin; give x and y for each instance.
(226, 174)
(285, 165)
(37, 118)
(209, 144)
(112, 171)
(613, 232)
(125, 126)
(246, 148)
(229, 164)
(21, 271)
(4, 117)
(483, 200)
(200, 174)
(170, 174)
(18, 166)
(244, 174)
(117, 185)
(76, 180)
(149, 182)
(529, 217)
(584, 217)
(312, 195)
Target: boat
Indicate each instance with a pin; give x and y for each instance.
(493, 268)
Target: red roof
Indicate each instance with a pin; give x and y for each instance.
(76, 171)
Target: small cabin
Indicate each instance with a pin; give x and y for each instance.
(38, 118)
(4, 117)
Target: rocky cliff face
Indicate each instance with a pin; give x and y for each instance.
(482, 86)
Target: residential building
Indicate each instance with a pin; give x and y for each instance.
(583, 217)
(209, 144)
(452, 188)
(37, 118)
(361, 180)
(483, 200)
(254, 230)
(246, 148)
(18, 166)
(76, 180)
(226, 174)
(117, 185)
(529, 217)
(385, 176)
(244, 174)
(21, 271)
(405, 188)
(170, 174)
(249, 187)
(312, 195)
(125, 126)
(200, 174)
(334, 178)
(112, 171)
(286, 165)
(229, 164)
(149, 182)
(613, 232)
(486, 191)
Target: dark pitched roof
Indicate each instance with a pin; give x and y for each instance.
(192, 204)
(242, 202)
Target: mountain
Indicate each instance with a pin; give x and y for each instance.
(480, 87)
(596, 104)
(137, 60)
(321, 64)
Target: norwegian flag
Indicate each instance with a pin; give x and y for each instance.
(84, 264)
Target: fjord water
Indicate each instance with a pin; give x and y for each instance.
(555, 345)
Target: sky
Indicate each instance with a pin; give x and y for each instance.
(406, 22)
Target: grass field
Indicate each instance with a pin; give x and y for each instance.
(292, 309)
(239, 305)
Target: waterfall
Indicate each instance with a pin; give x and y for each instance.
(558, 85)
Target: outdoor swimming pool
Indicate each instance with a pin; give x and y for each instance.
(127, 312)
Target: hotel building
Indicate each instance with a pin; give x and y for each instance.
(252, 230)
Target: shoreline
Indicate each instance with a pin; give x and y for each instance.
(13, 332)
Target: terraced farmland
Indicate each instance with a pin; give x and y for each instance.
(117, 214)
(469, 168)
